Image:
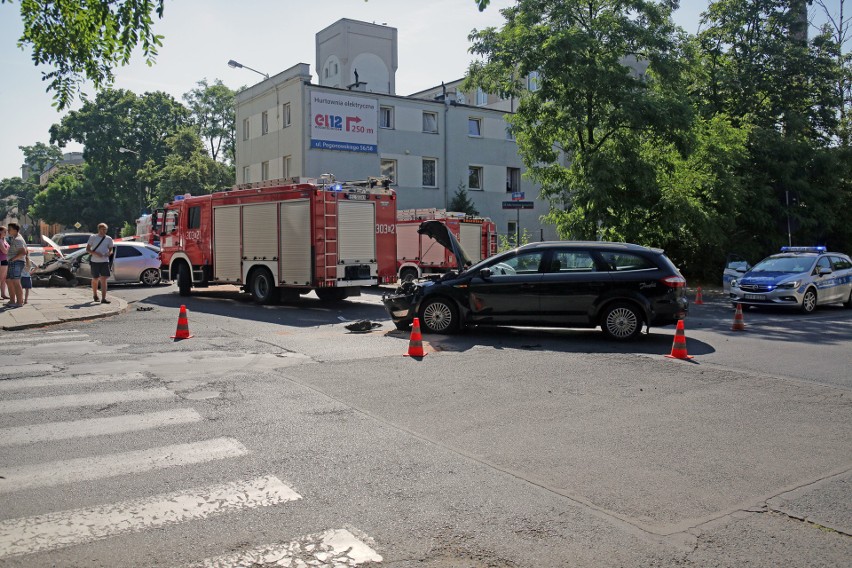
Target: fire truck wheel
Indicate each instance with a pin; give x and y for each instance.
(263, 286)
(331, 294)
(408, 274)
(184, 280)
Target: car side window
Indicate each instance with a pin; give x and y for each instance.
(124, 252)
(522, 263)
(839, 263)
(572, 261)
(622, 261)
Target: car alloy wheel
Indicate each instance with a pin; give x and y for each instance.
(151, 277)
(622, 322)
(439, 316)
(809, 302)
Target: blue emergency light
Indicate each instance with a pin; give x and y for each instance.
(336, 187)
(804, 249)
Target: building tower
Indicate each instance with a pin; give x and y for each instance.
(358, 56)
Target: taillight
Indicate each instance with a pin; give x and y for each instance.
(674, 281)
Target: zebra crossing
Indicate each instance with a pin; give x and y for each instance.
(64, 528)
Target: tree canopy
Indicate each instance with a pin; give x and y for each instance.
(86, 40)
(214, 116)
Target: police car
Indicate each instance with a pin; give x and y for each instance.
(799, 277)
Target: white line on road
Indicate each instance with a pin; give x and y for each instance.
(14, 384)
(102, 467)
(337, 547)
(67, 528)
(54, 431)
(43, 341)
(87, 399)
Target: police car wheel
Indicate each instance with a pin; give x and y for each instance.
(848, 302)
(809, 301)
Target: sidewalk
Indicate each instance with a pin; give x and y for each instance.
(56, 305)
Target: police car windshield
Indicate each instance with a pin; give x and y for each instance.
(791, 264)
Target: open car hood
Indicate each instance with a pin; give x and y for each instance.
(54, 245)
(440, 232)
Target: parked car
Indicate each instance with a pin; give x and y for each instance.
(735, 266)
(798, 277)
(617, 286)
(134, 262)
(65, 240)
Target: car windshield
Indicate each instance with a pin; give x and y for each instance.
(789, 264)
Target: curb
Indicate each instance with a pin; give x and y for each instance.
(47, 323)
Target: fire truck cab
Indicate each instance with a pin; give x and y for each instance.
(419, 255)
(282, 238)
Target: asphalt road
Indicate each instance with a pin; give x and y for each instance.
(275, 427)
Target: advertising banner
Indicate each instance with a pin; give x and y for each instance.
(339, 122)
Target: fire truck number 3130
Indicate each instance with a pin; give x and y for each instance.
(384, 229)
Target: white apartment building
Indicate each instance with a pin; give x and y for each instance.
(352, 125)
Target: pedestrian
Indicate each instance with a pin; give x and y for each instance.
(17, 253)
(100, 248)
(26, 278)
(4, 262)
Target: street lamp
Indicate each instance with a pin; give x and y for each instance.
(235, 64)
(126, 150)
(143, 195)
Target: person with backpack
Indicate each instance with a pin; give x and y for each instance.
(100, 247)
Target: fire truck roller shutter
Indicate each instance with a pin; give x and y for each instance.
(357, 237)
(295, 234)
(470, 238)
(260, 240)
(226, 244)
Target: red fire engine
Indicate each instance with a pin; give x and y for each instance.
(281, 238)
(418, 255)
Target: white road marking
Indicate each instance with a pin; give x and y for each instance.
(53, 431)
(45, 342)
(32, 369)
(87, 399)
(102, 467)
(337, 547)
(68, 528)
(14, 384)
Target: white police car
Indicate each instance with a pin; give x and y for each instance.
(799, 277)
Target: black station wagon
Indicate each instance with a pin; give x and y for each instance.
(617, 286)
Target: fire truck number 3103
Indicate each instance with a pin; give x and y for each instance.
(384, 228)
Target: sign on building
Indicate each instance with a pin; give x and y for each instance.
(344, 123)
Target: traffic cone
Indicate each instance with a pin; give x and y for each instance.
(739, 322)
(415, 344)
(679, 344)
(182, 326)
(698, 299)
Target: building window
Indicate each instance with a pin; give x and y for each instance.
(264, 123)
(264, 171)
(245, 129)
(430, 122)
(285, 167)
(460, 98)
(386, 117)
(512, 232)
(474, 127)
(285, 114)
(513, 179)
(430, 172)
(389, 169)
(246, 174)
(481, 97)
(533, 81)
(474, 178)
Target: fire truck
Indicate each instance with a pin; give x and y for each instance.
(282, 238)
(419, 255)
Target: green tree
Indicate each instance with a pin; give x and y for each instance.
(591, 108)
(40, 157)
(462, 202)
(214, 115)
(121, 119)
(86, 40)
(187, 169)
(71, 197)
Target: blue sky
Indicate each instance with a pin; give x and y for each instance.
(268, 35)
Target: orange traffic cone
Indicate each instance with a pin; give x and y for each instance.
(679, 344)
(183, 326)
(739, 322)
(698, 299)
(415, 344)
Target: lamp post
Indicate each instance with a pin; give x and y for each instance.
(235, 64)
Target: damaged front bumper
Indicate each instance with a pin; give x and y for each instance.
(401, 304)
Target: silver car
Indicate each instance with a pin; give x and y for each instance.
(799, 277)
(134, 262)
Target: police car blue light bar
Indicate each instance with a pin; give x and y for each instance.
(804, 249)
